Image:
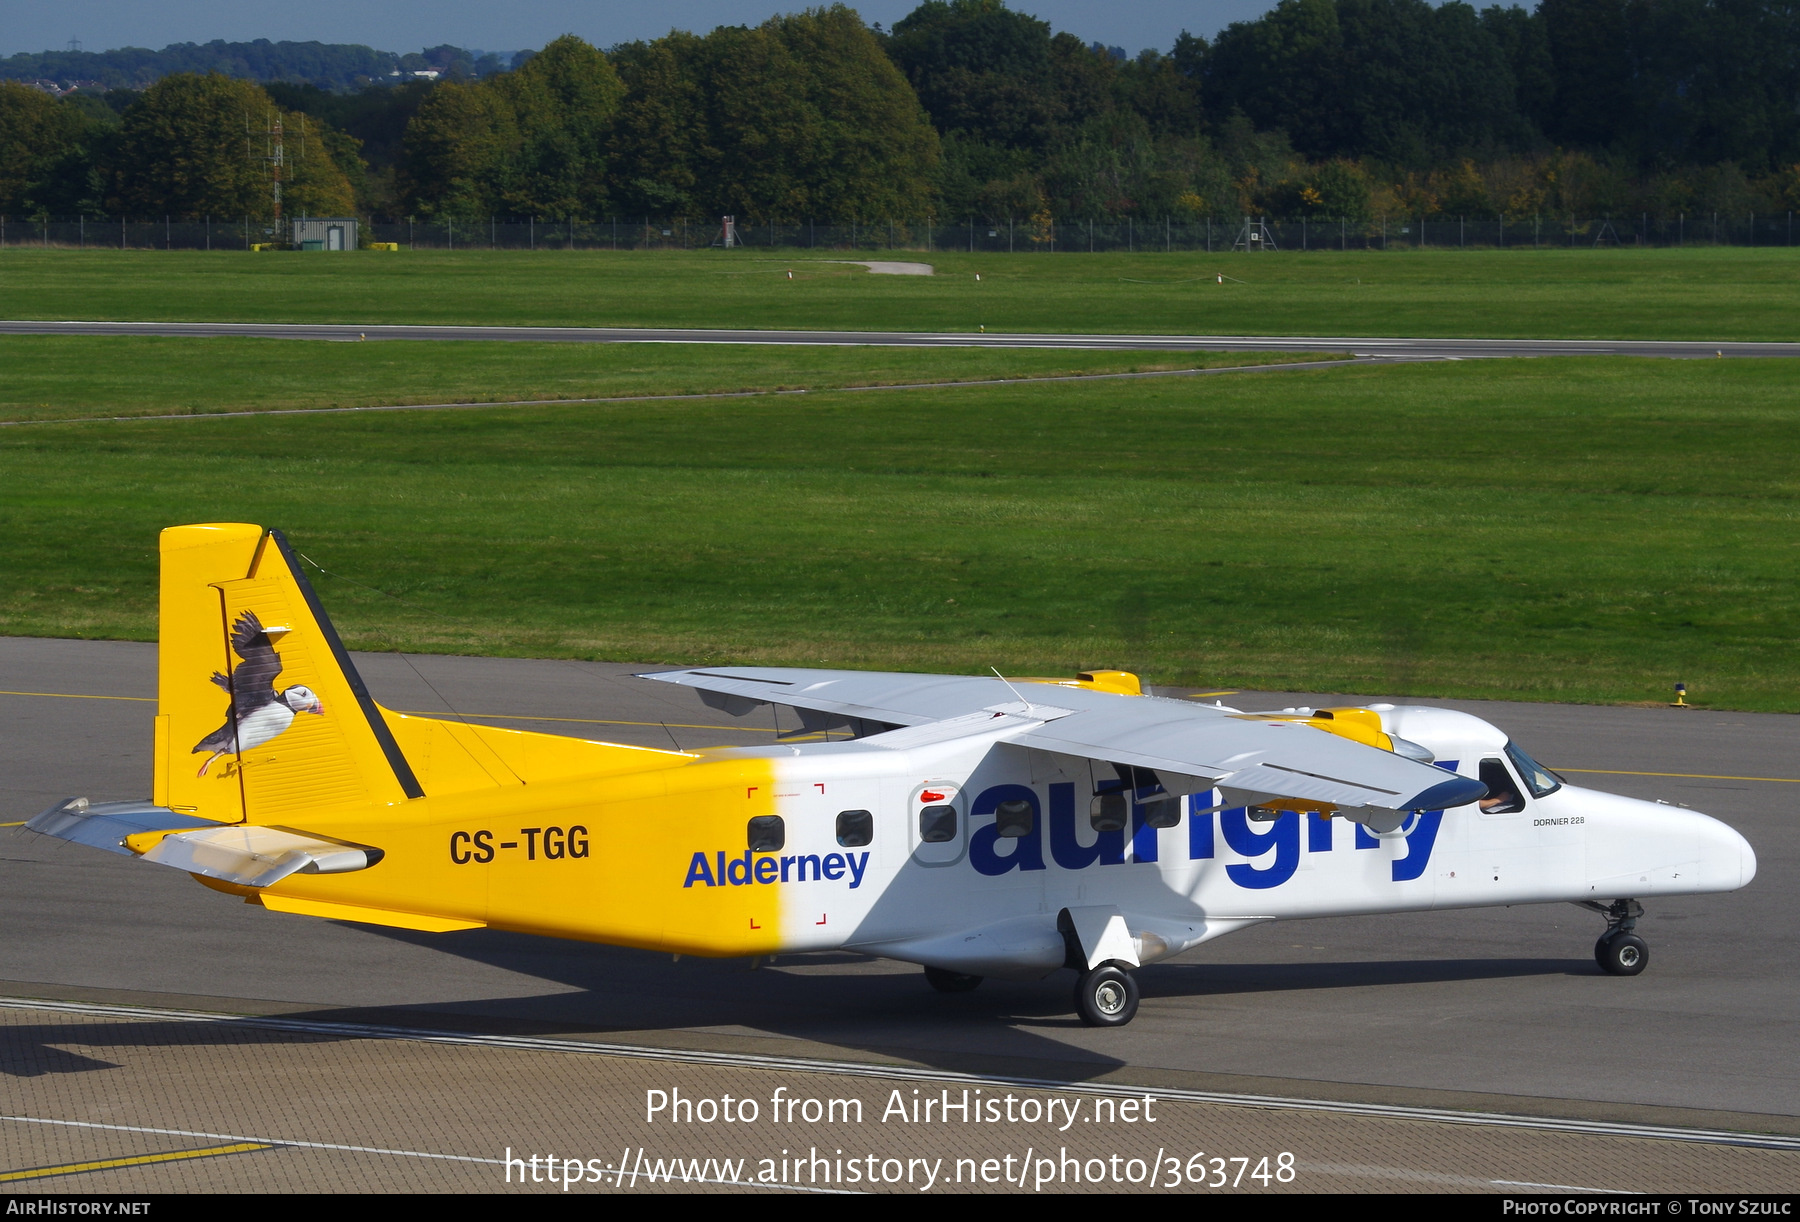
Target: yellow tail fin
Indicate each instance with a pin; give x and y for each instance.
(261, 713)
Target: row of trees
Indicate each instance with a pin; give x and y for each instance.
(1656, 82)
(801, 116)
(188, 146)
(1327, 108)
(1368, 105)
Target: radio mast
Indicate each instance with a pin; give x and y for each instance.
(275, 160)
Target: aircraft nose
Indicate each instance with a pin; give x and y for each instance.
(1745, 854)
(1725, 847)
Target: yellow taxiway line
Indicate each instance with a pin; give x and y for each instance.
(1695, 776)
(83, 696)
(135, 1160)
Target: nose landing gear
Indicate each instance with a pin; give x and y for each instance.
(1620, 952)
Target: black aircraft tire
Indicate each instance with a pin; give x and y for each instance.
(1622, 954)
(1106, 997)
(1600, 949)
(950, 982)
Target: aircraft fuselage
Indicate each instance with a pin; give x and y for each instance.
(666, 859)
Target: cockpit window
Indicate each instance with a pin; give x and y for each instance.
(1538, 779)
(1502, 793)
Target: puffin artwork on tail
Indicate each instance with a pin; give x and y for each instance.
(258, 712)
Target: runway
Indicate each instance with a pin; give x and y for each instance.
(1370, 1047)
(1391, 348)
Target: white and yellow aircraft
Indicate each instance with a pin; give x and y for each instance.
(966, 824)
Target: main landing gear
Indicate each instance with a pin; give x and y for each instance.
(1620, 952)
(1106, 996)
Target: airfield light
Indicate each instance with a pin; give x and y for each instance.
(1680, 701)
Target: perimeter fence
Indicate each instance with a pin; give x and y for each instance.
(1014, 235)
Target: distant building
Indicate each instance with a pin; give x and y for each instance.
(65, 88)
(325, 233)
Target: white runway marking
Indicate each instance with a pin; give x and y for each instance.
(888, 267)
(1376, 1172)
(274, 1141)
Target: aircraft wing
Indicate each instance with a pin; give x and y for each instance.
(1191, 747)
(1250, 760)
(893, 699)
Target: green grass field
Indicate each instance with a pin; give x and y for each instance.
(1694, 293)
(1552, 529)
(55, 377)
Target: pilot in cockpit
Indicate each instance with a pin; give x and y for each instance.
(1503, 792)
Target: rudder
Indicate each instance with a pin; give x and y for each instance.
(291, 729)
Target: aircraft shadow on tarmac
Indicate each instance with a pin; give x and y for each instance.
(630, 990)
(845, 1001)
(1221, 979)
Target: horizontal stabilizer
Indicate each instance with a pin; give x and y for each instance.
(256, 856)
(107, 825)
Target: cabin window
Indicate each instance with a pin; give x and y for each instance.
(1012, 818)
(1503, 793)
(1162, 812)
(768, 834)
(1538, 779)
(1107, 812)
(855, 828)
(937, 824)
